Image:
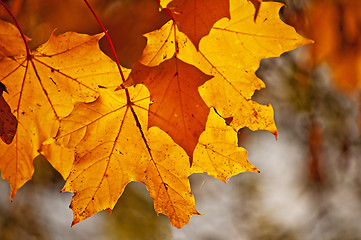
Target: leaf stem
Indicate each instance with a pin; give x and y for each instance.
(28, 52)
(166, 10)
(108, 39)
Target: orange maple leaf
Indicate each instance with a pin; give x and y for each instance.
(43, 87)
(176, 108)
(192, 84)
(195, 18)
(231, 53)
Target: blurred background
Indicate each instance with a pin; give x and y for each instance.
(309, 186)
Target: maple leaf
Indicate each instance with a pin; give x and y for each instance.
(195, 18)
(231, 53)
(113, 147)
(10, 40)
(117, 136)
(241, 43)
(217, 152)
(43, 87)
(177, 108)
(8, 122)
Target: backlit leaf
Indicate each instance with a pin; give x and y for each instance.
(43, 88)
(231, 53)
(176, 107)
(217, 152)
(178, 112)
(113, 147)
(195, 18)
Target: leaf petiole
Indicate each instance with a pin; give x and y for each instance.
(166, 10)
(28, 52)
(108, 39)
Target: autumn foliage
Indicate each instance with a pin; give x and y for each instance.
(334, 25)
(174, 113)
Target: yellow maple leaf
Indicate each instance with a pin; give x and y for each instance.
(241, 43)
(114, 147)
(110, 134)
(231, 53)
(217, 152)
(43, 87)
(11, 43)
